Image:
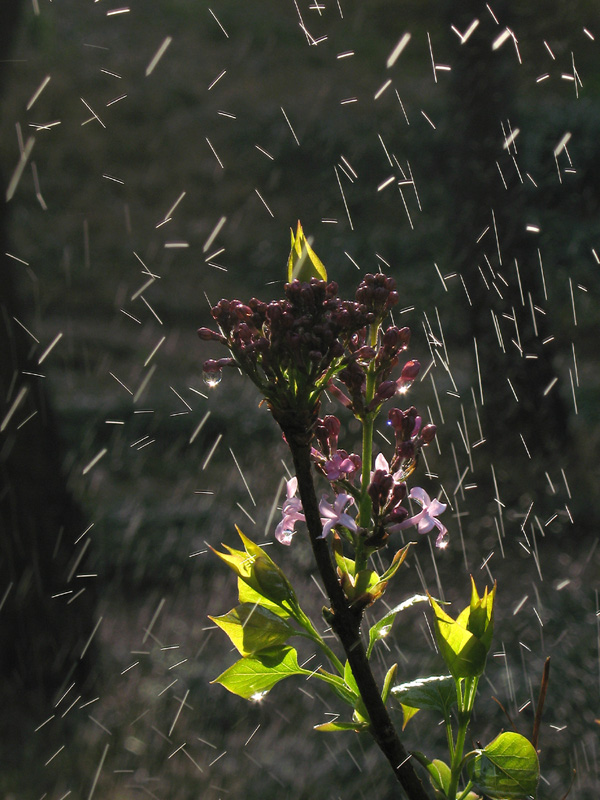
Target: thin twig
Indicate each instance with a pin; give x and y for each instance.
(506, 714)
(540, 703)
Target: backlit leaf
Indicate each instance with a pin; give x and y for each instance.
(507, 769)
(249, 595)
(332, 727)
(437, 693)
(303, 262)
(253, 676)
(253, 627)
(384, 625)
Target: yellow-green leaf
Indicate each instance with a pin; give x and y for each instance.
(332, 727)
(253, 676)
(507, 769)
(303, 262)
(252, 628)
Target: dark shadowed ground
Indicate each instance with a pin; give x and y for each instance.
(166, 152)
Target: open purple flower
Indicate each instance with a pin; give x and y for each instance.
(426, 519)
(341, 466)
(332, 515)
(291, 512)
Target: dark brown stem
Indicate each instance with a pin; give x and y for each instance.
(540, 704)
(346, 624)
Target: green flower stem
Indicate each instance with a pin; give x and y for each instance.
(346, 623)
(314, 635)
(466, 700)
(366, 506)
(450, 737)
(333, 681)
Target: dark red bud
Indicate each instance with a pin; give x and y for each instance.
(386, 390)
(207, 335)
(396, 418)
(428, 433)
(410, 370)
(332, 425)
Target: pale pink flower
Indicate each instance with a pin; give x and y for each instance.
(426, 519)
(332, 515)
(291, 513)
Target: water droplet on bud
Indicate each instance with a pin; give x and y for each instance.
(212, 378)
(442, 540)
(404, 387)
(286, 536)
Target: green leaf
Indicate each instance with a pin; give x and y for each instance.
(332, 727)
(481, 617)
(384, 625)
(338, 685)
(253, 676)
(359, 706)
(387, 683)
(396, 562)
(438, 693)
(252, 628)
(249, 595)
(303, 262)
(507, 769)
(365, 581)
(439, 772)
(349, 678)
(345, 565)
(463, 652)
(408, 713)
(258, 570)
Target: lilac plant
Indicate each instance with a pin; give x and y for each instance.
(294, 349)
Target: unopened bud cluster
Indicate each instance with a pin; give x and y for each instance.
(310, 341)
(287, 346)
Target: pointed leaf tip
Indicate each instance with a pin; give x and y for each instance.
(303, 262)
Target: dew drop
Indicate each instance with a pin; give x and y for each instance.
(442, 540)
(212, 378)
(286, 536)
(257, 697)
(405, 386)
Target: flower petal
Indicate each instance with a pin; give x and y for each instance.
(381, 463)
(420, 495)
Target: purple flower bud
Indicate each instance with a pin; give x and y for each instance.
(428, 433)
(391, 337)
(274, 312)
(405, 336)
(405, 450)
(396, 418)
(332, 425)
(398, 493)
(410, 370)
(207, 335)
(386, 390)
(397, 514)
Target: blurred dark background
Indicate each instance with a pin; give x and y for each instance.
(153, 161)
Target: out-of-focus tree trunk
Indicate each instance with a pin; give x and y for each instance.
(482, 101)
(41, 637)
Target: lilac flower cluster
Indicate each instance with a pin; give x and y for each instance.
(386, 489)
(311, 340)
(289, 348)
